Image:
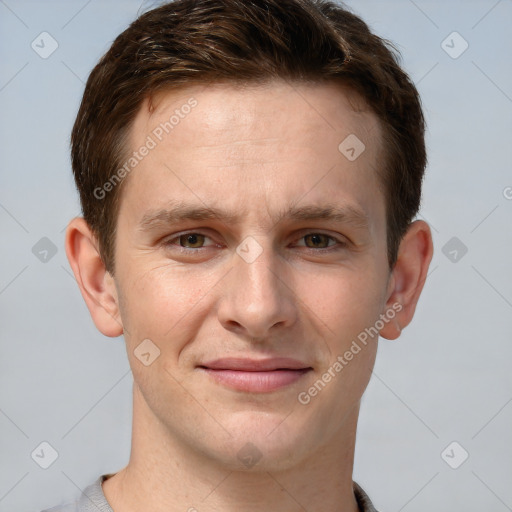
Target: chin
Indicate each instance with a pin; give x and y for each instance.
(263, 442)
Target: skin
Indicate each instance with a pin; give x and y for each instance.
(254, 152)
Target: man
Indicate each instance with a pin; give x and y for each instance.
(249, 173)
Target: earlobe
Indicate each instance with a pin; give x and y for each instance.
(96, 284)
(408, 277)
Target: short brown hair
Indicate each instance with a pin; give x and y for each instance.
(191, 42)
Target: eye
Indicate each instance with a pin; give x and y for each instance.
(195, 241)
(192, 240)
(319, 241)
(189, 241)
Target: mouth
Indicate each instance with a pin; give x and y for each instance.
(255, 376)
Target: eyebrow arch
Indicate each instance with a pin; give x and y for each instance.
(179, 212)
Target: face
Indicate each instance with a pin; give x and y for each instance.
(251, 252)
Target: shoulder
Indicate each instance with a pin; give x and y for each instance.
(92, 499)
(363, 500)
(68, 507)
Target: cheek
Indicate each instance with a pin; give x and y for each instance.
(158, 302)
(344, 301)
(348, 307)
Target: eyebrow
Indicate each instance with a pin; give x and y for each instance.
(180, 212)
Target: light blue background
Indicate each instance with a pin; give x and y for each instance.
(446, 379)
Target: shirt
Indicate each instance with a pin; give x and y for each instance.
(93, 500)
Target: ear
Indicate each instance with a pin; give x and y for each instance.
(408, 277)
(96, 284)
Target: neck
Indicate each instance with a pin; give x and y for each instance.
(164, 474)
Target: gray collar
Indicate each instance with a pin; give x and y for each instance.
(93, 499)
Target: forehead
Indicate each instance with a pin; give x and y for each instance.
(273, 144)
(225, 110)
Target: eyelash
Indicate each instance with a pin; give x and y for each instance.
(339, 244)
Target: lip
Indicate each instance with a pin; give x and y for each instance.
(255, 376)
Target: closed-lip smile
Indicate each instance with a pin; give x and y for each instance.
(255, 375)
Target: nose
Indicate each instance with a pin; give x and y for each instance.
(258, 297)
